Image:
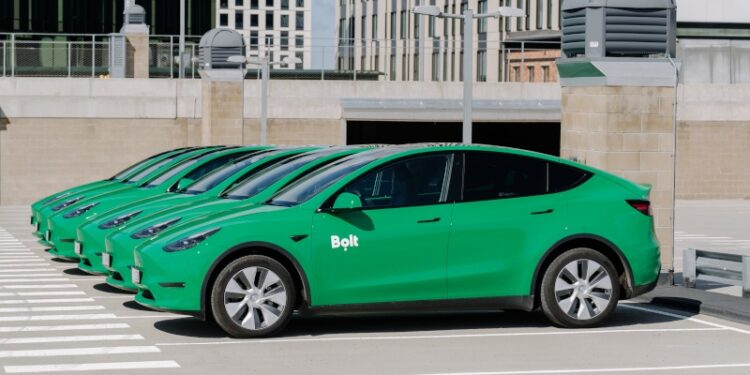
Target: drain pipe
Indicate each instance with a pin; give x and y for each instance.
(674, 163)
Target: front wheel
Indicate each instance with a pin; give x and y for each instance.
(253, 296)
(579, 289)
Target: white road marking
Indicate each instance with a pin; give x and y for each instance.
(26, 274)
(21, 260)
(92, 367)
(42, 286)
(78, 351)
(39, 318)
(50, 308)
(432, 337)
(45, 300)
(33, 280)
(27, 264)
(40, 294)
(672, 315)
(42, 340)
(27, 270)
(600, 370)
(69, 327)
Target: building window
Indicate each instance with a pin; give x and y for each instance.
(299, 41)
(539, 14)
(404, 67)
(253, 20)
(435, 65)
(269, 20)
(285, 4)
(545, 74)
(253, 4)
(301, 56)
(482, 26)
(269, 3)
(516, 74)
(300, 21)
(461, 67)
(393, 25)
(253, 39)
(223, 19)
(482, 66)
(224, 4)
(464, 6)
(392, 72)
(239, 3)
(284, 42)
(530, 77)
(284, 20)
(300, 3)
(415, 74)
(527, 19)
(549, 14)
(238, 24)
(363, 27)
(374, 33)
(404, 25)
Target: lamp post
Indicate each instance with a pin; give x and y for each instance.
(265, 67)
(182, 40)
(467, 18)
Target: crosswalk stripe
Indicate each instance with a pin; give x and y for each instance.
(39, 318)
(92, 367)
(27, 270)
(40, 286)
(41, 340)
(49, 294)
(50, 308)
(27, 264)
(44, 300)
(78, 351)
(21, 260)
(68, 327)
(32, 280)
(25, 274)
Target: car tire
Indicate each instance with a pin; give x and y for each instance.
(253, 296)
(580, 289)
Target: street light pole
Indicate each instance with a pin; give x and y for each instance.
(468, 37)
(182, 40)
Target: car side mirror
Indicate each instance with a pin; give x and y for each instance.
(347, 202)
(184, 183)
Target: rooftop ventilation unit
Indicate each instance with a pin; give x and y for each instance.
(217, 45)
(618, 28)
(135, 15)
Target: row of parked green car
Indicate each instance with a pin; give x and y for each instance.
(246, 236)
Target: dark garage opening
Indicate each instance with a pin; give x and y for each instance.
(535, 136)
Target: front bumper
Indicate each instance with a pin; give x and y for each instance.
(91, 240)
(120, 247)
(62, 236)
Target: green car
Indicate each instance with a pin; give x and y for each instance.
(243, 196)
(61, 227)
(424, 227)
(90, 235)
(39, 219)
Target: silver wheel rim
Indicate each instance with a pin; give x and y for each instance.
(583, 289)
(255, 298)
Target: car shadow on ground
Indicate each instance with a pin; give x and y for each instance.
(305, 326)
(63, 260)
(76, 272)
(104, 287)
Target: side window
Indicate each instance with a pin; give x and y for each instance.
(410, 182)
(563, 177)
(211, 165)
(491, 175)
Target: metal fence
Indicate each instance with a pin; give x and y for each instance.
(74, 55)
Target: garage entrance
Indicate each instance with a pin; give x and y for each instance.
(535, 136)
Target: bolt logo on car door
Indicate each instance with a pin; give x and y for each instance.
(346, 242)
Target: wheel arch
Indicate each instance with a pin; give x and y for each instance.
(256, 248)
(591, 241)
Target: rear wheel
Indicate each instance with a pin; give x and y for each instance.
(579, 289)
(253, 296)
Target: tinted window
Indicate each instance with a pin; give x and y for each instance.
(409, 182)
(210, 166)
(149, 170)
(563, 177)
(171, 172)
(491, 175)
(217, 176)
(135, 166)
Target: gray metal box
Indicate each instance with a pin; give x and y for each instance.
(217, 45)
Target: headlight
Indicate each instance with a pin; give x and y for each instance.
(80, 211)
(154, 229)
(66, 203)
(189, 242)
(120, 220)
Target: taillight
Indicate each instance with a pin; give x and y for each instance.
(641, 206)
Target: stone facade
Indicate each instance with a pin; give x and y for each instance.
(626, 131)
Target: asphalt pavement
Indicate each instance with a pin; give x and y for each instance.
(56, 319)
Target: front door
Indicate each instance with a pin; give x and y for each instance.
(394, 249)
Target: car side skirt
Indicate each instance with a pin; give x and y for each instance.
(525, 303)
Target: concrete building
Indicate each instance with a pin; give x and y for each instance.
(385, 36)
(274, 28)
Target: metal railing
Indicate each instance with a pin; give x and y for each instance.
(723, 268)
(438, 60)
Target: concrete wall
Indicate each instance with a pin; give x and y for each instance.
(60, 132)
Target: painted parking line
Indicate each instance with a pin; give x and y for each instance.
(602, 370)
(17, 270)
(22, 260)
(27, 264)
(78, 351)
(92, 367)
(58, 339)
(49, 294)
(50, 309)
(67, 327)
(34, 280)
(38, 318)
(684, 317)
(437, 337)
(42, 286)
(45, 300)
(5, 276)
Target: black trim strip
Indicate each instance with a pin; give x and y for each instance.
(525, 303)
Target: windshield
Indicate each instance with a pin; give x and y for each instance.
(254, 185)
(170, 173)
(214, 178)
(132, 168)
(306, 188)
(149, 170)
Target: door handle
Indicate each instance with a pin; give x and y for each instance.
(549, 211)
(433, 220)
